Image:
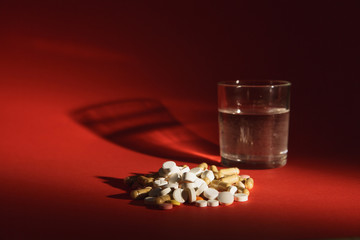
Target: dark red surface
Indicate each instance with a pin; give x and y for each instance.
(91, 93)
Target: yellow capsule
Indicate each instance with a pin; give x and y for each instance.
(162, 199)
(203, 166)
(231, 179)
(140, 193)
(216, 175)
(249, 183)
(219, 185)
(240, 185)
(228, 171)
(214, 168)
(174, 202)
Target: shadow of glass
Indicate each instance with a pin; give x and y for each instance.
(146, 126)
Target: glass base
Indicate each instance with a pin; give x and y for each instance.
(248, 162)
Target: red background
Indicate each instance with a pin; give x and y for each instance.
(70, 70)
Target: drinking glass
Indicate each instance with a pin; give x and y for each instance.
(254, 123)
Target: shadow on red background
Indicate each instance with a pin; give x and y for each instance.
(146, 126)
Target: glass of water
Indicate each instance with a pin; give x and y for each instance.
(254, 123)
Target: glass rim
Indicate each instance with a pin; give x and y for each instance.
(254, 83)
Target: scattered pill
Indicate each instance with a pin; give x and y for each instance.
(162, 199)
(168, 166)
(174, 202)
(197, 171)
(179, 196)
(244, 176)
(203, 166)
(228, 171)
(213, 203)
(211, 193)
(165, 191)
(165, 206)
(201, 203)
(150, 200)
(189, 176)
(231, 179)
(191, 194)
(249, 183)
(201, 189)
(232, 189)
(155, 192)
(226, 198)
(140, 193)
(241, 197)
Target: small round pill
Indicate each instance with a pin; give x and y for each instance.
(226, 198)
(210, 193)
(241, 197)
(166, 206)
(213, 203)
(201, 203)
(168, 166)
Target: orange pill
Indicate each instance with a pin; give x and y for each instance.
(199, 198)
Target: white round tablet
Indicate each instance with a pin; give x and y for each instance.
(241, 197)
(168, 166)
(201, 203)
(211, 193)
(213, 203)
(226, 198)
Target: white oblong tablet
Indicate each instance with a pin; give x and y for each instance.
(241, 197)
(201, 203)
(168, 166)
(213, 203)
(197, 171)
(226, 198)
(211, 193)
(191, 194)
(189, 176)
(165, 191)
(232, 189)
(184, 170)
(201, 189)
(178, 196)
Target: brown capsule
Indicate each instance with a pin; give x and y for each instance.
(249, 183)
(145, 181)
(230, 179)
(240, 185)
(140, 193)
(246, 191)
(228, 171)
(214, 168)
(162, 199)
(219, 185)
(130, 180)
(203, 166)
(216, 175)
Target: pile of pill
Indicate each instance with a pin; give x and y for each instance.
(203, 186)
